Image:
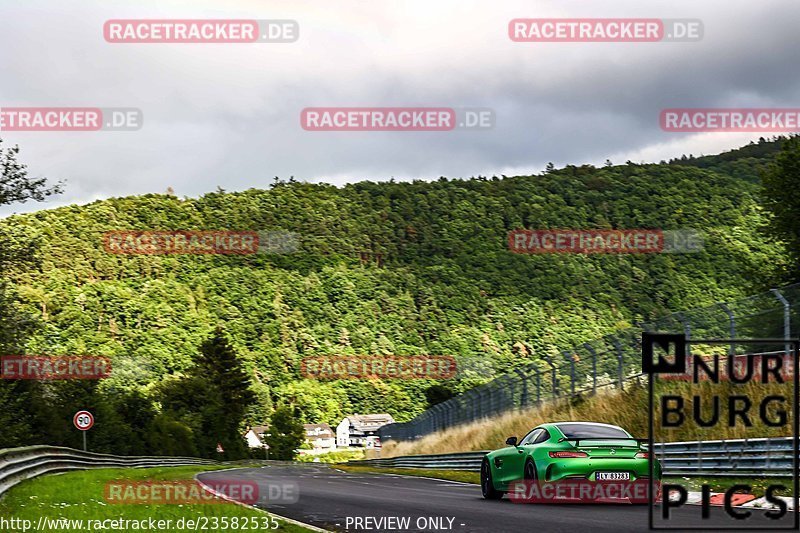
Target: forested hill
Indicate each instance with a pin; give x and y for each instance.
(384, 268)
(748, 162)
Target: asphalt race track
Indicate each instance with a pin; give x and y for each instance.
(327, 497)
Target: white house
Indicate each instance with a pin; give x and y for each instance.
(361, 430)
(255, 436)
(321, 437)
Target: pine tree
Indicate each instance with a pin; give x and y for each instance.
(228, 397)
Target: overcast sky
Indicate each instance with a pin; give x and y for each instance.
(229, 114)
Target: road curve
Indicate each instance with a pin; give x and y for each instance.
(336, 500)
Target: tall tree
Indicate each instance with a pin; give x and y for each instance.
(17, 251)
(285, 434)
(228, 393)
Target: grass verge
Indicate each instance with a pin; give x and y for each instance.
(79, 496)
(758, 485)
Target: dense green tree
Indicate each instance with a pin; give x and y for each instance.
(436, 394)
(213, 398)
(17, 252)
(780, 183)
(166, 436)
(285, 434)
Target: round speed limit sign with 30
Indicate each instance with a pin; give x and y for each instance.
(83, 420)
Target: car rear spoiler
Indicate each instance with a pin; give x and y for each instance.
(578, 441)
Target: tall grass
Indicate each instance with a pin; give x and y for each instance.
(627, 408)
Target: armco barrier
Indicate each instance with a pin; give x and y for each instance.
(764, 457)
(19, 464)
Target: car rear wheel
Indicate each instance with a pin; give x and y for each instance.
(487, 486)
(530, 470)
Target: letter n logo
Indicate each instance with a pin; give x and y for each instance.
(663, 342)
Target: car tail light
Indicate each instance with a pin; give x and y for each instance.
(643, 455)
(565, 455)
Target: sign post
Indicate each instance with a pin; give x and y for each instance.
(83, 420)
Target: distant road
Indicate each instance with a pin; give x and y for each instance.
(327, 497)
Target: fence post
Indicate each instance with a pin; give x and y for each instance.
(787, 317)
(439, 420)
(594, 366)
(523, 377)
(553, 373)
(620, 372)
(571, 360)
(732, 329)
(494, 396)
(687, 331)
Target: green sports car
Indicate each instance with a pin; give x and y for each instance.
(567, 451)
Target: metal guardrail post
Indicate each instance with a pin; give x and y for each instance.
(700, 455)
(769, 454)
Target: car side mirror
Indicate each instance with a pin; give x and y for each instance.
(511, 441)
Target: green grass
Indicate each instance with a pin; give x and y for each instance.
(333, 457)
(80, 496)
(759, 485)
(452, 475)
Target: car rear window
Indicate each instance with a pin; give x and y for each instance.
(587, 431)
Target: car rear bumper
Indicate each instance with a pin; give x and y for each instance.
(587, 469)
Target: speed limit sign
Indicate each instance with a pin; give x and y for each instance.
(83, 420)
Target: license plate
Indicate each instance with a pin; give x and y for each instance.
(613, 476)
